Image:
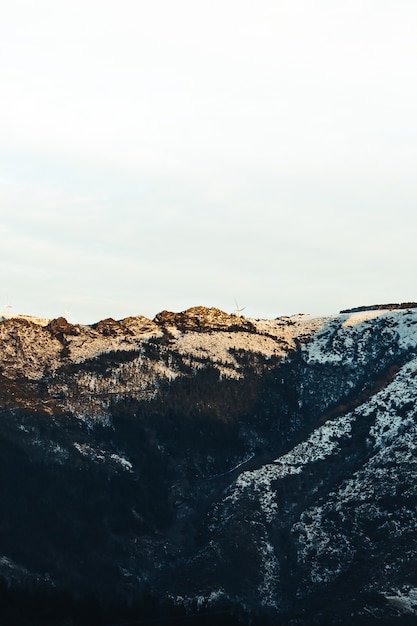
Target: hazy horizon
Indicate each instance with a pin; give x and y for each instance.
(167, 155)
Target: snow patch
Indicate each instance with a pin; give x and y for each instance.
(405, 600)
(127, 465)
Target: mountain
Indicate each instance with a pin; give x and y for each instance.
(203, 464)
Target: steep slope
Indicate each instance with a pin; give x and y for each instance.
(209, 458)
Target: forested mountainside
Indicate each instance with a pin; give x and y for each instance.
(205, 466)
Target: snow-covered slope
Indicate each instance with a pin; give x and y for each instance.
(269, 464)
(153, 352)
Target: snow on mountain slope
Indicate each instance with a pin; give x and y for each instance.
(348, 338)
(158, 350)
(343, 498)
(37, 347)
(269, 463)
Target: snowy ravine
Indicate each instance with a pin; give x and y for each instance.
(210, 458)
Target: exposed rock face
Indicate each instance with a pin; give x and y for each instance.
(269, 464)
(60, 327)
(202, 319)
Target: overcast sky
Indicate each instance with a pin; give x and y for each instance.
(169, 153)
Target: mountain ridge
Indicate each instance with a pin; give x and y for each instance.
(208, 458)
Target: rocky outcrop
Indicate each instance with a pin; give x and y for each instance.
(203, 319)
(60, 327)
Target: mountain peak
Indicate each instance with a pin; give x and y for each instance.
(201, 318)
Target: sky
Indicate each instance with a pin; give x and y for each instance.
(174, 153)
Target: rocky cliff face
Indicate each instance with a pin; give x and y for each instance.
(208, 458)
